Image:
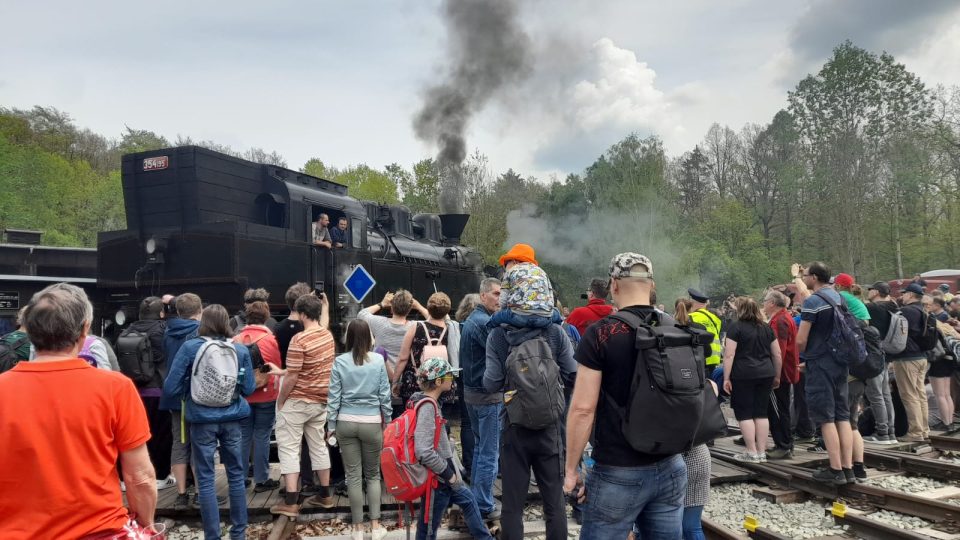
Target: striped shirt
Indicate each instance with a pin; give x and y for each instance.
(311, 355)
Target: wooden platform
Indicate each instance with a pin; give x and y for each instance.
(260, 503)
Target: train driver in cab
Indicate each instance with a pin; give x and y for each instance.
(338, 234)
(321, 235)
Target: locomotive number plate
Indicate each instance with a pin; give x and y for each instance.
(156, 163)
(9, 300)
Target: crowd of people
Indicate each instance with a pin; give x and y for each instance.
(539, 392)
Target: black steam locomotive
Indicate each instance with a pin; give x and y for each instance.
(213, 224)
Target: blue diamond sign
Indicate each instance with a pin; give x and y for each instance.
(359, 283)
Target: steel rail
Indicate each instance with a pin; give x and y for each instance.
(945, 442)
(802, 479)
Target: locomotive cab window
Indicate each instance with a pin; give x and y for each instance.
(345, 237)
(356, 232)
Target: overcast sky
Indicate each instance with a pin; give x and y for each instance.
(342, 80)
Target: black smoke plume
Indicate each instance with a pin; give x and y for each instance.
(487, 51)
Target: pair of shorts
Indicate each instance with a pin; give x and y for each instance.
(855, 390)
(941, 368)
(180, 451)
(826, 391)
(750, 398)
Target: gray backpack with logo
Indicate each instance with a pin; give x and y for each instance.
(534, 394)
(896, 339)
(215, 373)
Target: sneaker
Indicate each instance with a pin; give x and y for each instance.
(269, 485)
(318, 501)
(492, 515)
(817, 449)
(859, 472)
(780, 453)
(875, 439)
(940, 426)
(908, 438)
(804, 440)
(167, 482)
(849, 476)
(378, 533)
(761, 457)
(195, 502)
(826, 475)
(739, 441)
(182, 502)
(890, 438)
(746, 457)
(283, 509)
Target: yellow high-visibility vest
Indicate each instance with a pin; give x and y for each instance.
(712, 324)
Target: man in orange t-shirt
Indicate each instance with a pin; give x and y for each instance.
(64, 426)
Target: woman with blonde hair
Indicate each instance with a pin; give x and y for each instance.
(751, 369)
(437, 332)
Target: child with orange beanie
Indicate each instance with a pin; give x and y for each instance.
(526, 295)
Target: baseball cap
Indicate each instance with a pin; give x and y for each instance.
(621, 264)
(843, 280)
(881, 287)
(914, 288)
(433, 368)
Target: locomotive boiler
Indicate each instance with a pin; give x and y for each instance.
(205, 222)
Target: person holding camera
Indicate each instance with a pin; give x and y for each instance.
(596, 308)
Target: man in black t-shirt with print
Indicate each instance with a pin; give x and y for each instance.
(625, 486)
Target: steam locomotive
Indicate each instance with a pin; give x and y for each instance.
(213, 224)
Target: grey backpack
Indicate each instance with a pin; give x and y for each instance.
(534, 393)
(215, 373)
(896, 339)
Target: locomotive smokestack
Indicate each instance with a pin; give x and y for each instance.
(488, 51)
(452, 226)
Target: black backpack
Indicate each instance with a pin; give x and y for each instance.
(929, 337)
(876, 359)
(533, 397)
(135, 355)
(8, 352)
(846, 336)
(669, 395)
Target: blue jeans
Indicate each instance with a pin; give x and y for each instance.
(203, 440)
(443, 496)
(650, 496)
(256, 429)
(485, 420)
(692, 529)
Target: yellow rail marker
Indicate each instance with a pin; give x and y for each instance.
(839, 509)
(750, 523)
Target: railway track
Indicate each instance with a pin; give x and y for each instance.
(790, 476)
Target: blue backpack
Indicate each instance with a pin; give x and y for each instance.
(846, 339)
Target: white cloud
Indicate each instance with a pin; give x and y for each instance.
(623, 92)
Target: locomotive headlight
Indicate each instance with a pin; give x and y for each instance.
(120, 318)
(151, 246)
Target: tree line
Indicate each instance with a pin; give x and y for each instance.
(861, 169)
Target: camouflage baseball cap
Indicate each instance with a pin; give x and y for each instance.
(434, 368)
(621, 264)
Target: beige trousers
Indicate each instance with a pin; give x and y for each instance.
(298, 419)
(910, 374)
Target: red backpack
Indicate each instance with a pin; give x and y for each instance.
(403, 475)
